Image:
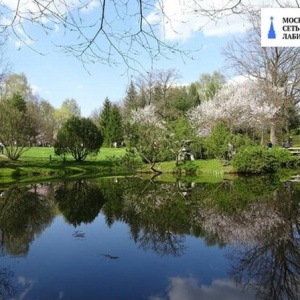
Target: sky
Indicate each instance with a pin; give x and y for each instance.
(57, 76)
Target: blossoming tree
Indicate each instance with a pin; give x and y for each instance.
(243, 106)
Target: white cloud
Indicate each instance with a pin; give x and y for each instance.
(27, 285)
(190, 289)
(184, 18)
(91, 6)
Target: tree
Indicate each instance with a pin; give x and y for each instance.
(277, 68)
(68, 108)
(79, 137)
(16, 127)
(164, 81)
(47, 116)
(153, 138)
(193, 91)
(208, 85)
(147, 134)
(16, 84)
(4, 63)
(104, 118)
(119, 31)
(114, 127)
(240, 107)
(131, 101)
(180, 101)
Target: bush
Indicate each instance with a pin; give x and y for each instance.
(284, 157)
(257, 160)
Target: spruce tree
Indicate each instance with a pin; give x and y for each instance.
(131, 101)
(115, 128)
(104, 121)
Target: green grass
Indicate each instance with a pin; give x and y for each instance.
(199, 167)
(36, 165)
(43, 154)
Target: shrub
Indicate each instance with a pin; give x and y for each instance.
(221, 142)
(256, 160)
(284, 157)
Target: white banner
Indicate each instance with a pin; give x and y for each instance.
(280, 27)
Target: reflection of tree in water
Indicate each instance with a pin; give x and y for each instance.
(156, 214)
(24, 214)
(262, 220)
(271, 264)
(79, 201)
(250, 213)
(232, 210)
(6, 285)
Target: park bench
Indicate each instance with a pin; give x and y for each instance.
(294, 150)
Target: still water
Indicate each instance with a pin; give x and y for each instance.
(128, 238)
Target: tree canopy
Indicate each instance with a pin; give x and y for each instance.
(16, 126)
(79, 137)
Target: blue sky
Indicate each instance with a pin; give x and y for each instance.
(57, 76)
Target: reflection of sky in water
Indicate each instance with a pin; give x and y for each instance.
(190, 289)
(95, 262)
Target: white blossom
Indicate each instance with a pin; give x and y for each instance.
(243, 105)
(147, 116)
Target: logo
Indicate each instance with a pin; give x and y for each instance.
(280, 27)
(272, 33)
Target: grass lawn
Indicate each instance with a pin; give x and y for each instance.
(41, 163)
(43, 154)
(35, 164)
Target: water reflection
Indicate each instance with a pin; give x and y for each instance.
(188, 288)
(271, 263)
(79, 201)
(6, 283)
(258, 220)
(24, 214)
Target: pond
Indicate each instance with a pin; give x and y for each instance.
(130, 238)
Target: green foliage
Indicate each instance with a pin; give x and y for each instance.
(114, 129)
(131, 101)
(68, 109)
(180, 101)
(217, 143)
(18, 102)
(209, 85)
(104, 120)
(79, 201)
(110, 123)
(256, 160)
(193, 92)
(18, 207)
(16, 84)
(129, 162)
(79, 137)
(284, 157)
(16, 126)
(221, 141)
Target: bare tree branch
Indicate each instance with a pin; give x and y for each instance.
(119, 32)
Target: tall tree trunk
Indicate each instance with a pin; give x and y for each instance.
(273, 133)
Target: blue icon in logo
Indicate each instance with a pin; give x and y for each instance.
(271, 34)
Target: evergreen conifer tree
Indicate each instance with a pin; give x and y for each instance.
(131, 101)
(104, 121)
(115, 128)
